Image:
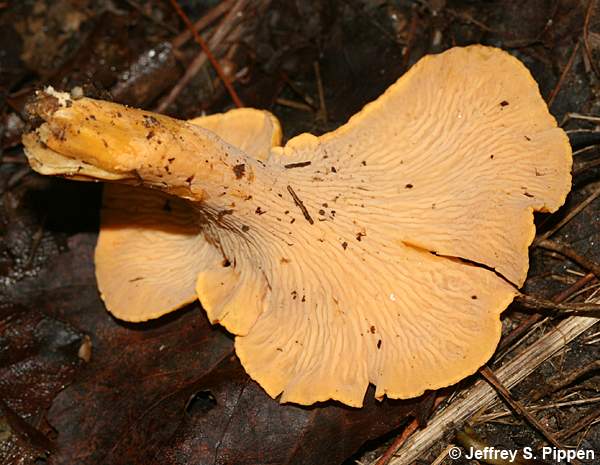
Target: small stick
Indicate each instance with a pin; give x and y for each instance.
(586, 31)
(322, 107)
(216, 40)
(16, 178)
(537, 408)
(562, 381)
(301, 164)
(491, 378)
(143, 12)
(211, 16)
(570, 116)
(398, 442)
(234, 96)
(534, 303)
(300, 205)
(584, 166)
(442, 456)
(572, 214)
(571, 254)
(406, 433)
(35, 242)
(563, 76)
(410, 39)
(533, 319)
(14, 159)
(293, 104)
(584, 422)
(469, 440)
(307, 98)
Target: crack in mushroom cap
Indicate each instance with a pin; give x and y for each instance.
(354, 257)
(452, 160)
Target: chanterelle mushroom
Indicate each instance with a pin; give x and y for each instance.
(362, 256)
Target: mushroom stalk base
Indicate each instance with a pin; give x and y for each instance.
(90, 139)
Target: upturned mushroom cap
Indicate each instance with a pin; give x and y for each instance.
(382, 252)
(151, 248)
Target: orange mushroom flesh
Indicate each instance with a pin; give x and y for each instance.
(382, 252)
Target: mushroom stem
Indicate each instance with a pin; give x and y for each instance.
(110, 141)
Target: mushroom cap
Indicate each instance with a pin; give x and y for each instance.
(382, 252)
(423, 207)
(150, 247)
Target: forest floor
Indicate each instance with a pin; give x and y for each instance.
(78, 386)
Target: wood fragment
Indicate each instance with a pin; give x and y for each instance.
(322, 107)
(470, 440)
(206, 20)
(481, 395)
(489, 417)
(293, 104)
(563, 75)
(583, 422)
(572, 214)
(224, 30)
(234, 96)
(406, 433)
(301, 164)
(307, 98)
(398, 442)
(564, 381)
(585, 34)
(493, 380)
(538, 304)
(300, 205)
(522, 329)
(567, 251)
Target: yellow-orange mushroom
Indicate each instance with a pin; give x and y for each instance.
(340, 260)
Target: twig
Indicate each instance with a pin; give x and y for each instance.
(581, 423)
(293, 104)
(300, 205)
(18, 176)
(143, 12)
(216, 40)
(581, 167)
(562, 381)
(537, 408)
(209, 17)
(307, 98)
(535, 303)
(574, 212)
(586, 44)
(322, 107)
(491, 378)
(14, 159)
(532, 320)
(563, 75)
(481, 395)
(398, 442)
(469, 440)
(234, 96)
(300, 164)
(570, 116)
(35, 242)
(406, 433)
(571, 254)
(410, 38)
(442, 455)
(470, 20)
